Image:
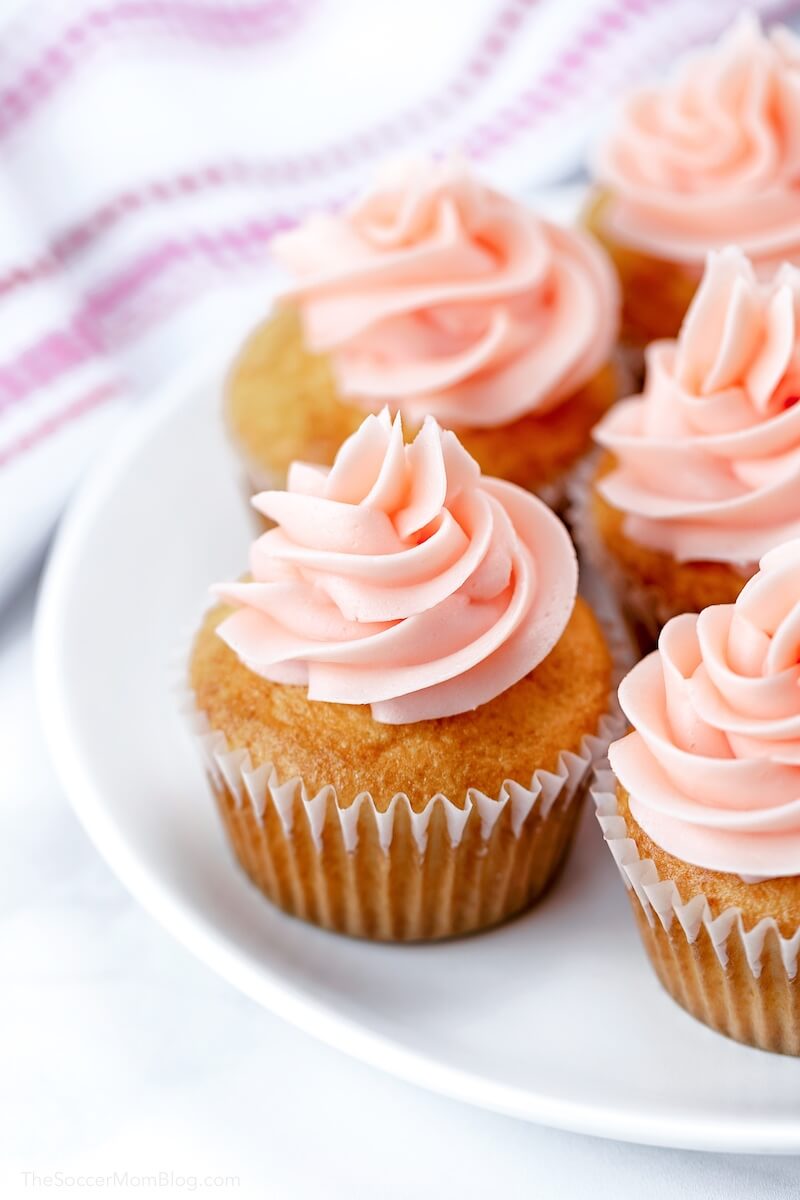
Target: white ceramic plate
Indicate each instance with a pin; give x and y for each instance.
(556, 1017)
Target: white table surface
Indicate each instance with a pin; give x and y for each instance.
(120, 1053)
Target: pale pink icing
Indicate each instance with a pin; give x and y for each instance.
(708, 458)
(713, 764)
(403, 579)
(439, 296)
(712, 156)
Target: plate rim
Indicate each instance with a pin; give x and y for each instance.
(261, 982)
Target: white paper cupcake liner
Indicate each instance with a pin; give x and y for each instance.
(661, 901)
(742, 982)
(389, 871)
(260, 787)
(393, 873)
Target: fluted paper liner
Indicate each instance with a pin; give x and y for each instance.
(646, 609)
(393, 873)
(741, 982)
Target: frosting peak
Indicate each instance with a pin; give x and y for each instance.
(713, 154)
(442, 297)
(402, 578)
(713, 764)
(708, 457)
(739, 334)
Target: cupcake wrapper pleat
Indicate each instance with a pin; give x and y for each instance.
(393, 873)
(741, 982)
(389, 872)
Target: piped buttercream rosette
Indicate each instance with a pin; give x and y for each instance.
(712, 155)
(713, 764)
(440, 296)
(707, 459)
(402, 578)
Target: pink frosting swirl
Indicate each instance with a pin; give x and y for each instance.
(713, 155)
(708, 458)
(403, 579)
(441, 297)
(713, 764)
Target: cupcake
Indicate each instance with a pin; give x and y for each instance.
(708, 158)
(401, 704)
(702, 812)
(434, 295)
(700, 474)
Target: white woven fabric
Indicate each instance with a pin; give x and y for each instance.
(150, 147)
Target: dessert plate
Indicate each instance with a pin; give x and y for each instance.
(555, 1017)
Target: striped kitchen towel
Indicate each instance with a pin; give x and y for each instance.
(150, 149)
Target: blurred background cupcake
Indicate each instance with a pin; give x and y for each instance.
(401, 710)
(704, 819)
(435, 295)
(707, 158)
(700, 475)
